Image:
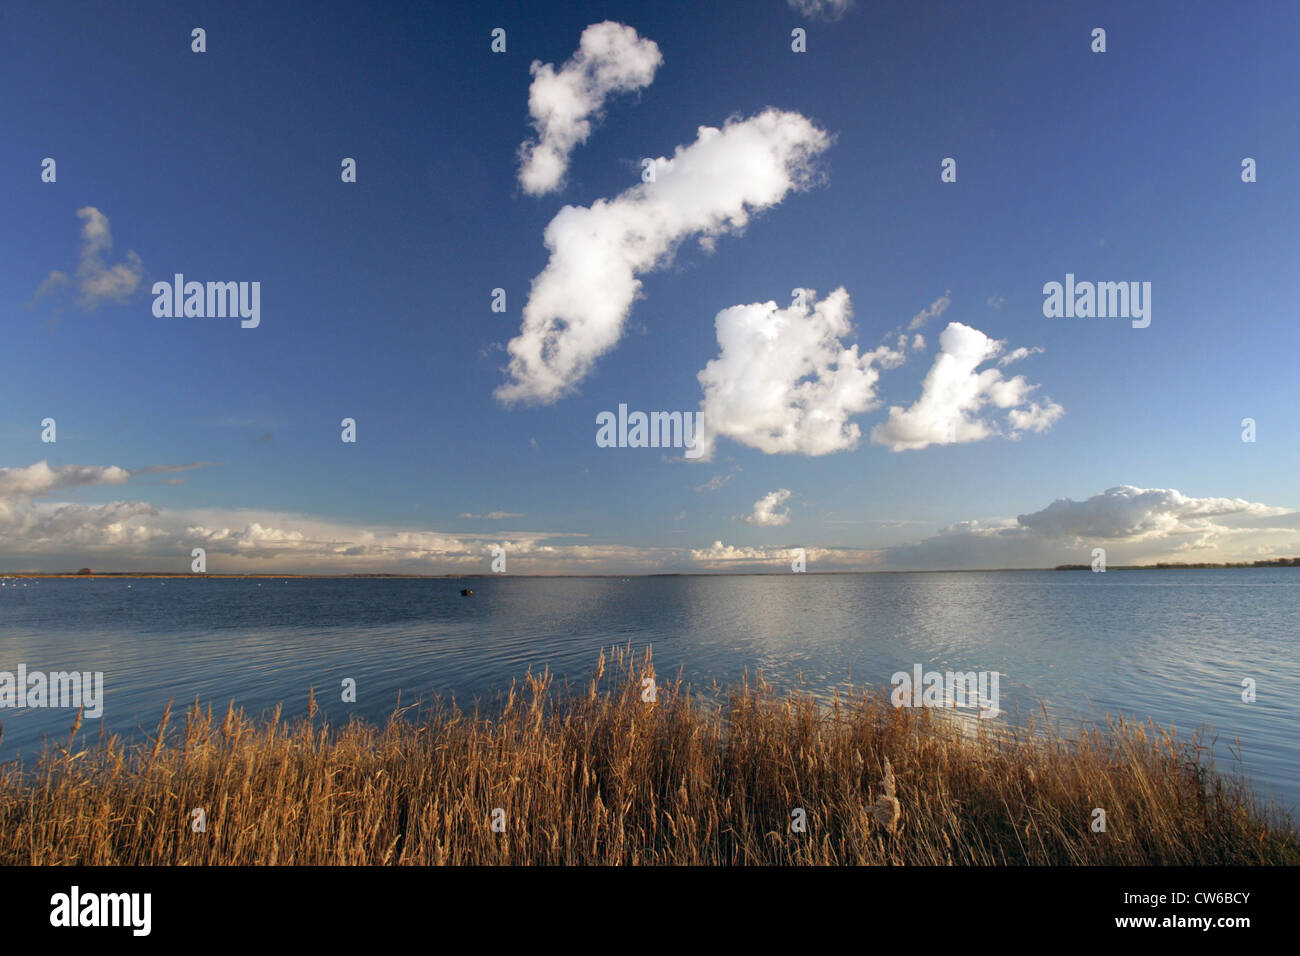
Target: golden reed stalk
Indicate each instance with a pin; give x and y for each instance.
(598, 775)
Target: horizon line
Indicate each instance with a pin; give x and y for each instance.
(373, 575)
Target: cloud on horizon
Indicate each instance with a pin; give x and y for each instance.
(727, 557)
(1135, 526)
(41, 478)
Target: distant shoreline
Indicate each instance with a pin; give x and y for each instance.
(1274, 563)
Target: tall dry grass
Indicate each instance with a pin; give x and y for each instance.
(596, 775)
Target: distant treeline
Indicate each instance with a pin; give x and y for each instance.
(1176, 565)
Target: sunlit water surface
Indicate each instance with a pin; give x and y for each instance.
(1169, 645)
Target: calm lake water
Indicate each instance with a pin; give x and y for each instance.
(1170, 645)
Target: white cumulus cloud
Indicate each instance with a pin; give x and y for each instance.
(784, 382)
(1134, 526)
(959, 403)
(611, 58)
(40, 478)
(1126, 512)
(767, 510)
(578, 305)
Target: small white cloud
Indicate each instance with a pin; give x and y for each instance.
(40, 478)
(611, 58)
(1035, 418)
(936, 309)
(95, 282)
(821, 9)
(1015, 355)
(767, 510)
(493, 515)
(955, 397)
(714, 483)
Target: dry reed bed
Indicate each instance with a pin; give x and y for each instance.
(596, 775)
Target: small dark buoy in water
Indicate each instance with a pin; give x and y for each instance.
(466, 592)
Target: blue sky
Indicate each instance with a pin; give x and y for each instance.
(375, 295)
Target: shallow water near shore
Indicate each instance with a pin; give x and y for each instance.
(1172, 646)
